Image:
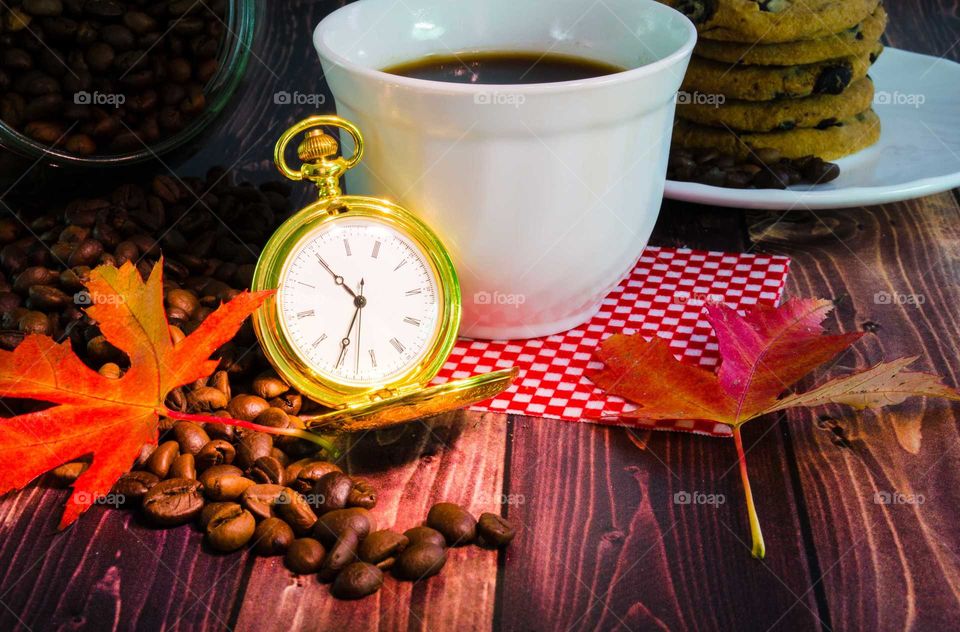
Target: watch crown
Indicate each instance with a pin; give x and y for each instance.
(317, 145)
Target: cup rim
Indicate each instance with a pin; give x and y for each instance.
(683, 52)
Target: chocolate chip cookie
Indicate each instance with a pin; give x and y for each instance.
(769, 21)
(820, 110)
(846, 137)
(766, 83)
(858, 40)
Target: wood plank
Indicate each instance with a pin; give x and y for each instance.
(461, 462)
(107, 570)
(894, 270)
(604, 545)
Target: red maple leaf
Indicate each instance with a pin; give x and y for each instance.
(764, 353)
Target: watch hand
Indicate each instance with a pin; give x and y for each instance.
(346, 339)
(356, 364)
(336, 277)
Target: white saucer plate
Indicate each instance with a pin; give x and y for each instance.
(918, 101)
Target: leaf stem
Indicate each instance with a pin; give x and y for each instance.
(759, 548)
(319, 440)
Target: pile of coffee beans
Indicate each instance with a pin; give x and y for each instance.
(765, 169)
(106, 76)
(275, 494)
(244, 488)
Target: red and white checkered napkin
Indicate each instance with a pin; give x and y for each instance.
(663, 296)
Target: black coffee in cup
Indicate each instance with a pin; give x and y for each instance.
(503, 68)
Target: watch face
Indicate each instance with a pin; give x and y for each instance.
(358, 301)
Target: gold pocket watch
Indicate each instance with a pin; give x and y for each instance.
(367, 303)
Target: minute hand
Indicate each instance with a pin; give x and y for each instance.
(336, 277)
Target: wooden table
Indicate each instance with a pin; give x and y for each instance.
(602, 545)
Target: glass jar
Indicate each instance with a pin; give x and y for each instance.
(19, 154)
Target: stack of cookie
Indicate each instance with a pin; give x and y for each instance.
(785, 75)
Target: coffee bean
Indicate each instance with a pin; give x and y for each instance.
(206, 399)
(118, 36)
(133, 486)
(419, 561)
(305, 473)
(209, 510)
(494, 530)
(331, 492)
(333, 524)
(253, 446)
(103, 8)
(162, 458)
(295, 511)
(34, 275)
(272, 536)
(419, 535)
(215, 452)
(356, 581)
(267, 469)
(34, 323)
(47, 297)
(273, 418)
(173, 502)
(342, 553)
(290, 402)
(183, 467)
(190, 437)
(382, 545)
(230, 528)
(224, 482)
(66, 474)
(80, 144)
(363, 495)
(246, 407)
(304, 556)
(456, 524)
(261, 499)
(268, 386)
(43, 8)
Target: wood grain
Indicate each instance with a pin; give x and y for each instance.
(885, 566)
(606, 546)
(466, 470)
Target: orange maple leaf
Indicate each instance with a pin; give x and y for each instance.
(108, 419)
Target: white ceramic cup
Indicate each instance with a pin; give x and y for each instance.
(545, 194)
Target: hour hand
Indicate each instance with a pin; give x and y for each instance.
(336, 277)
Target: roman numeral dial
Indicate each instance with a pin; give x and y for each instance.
(359, 301)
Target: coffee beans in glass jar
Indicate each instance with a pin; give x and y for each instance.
(106, 76)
